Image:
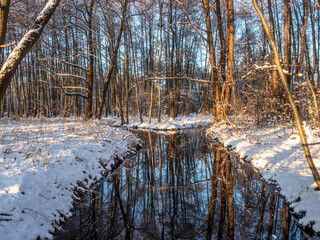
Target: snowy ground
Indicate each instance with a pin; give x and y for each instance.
(166, 123)
(41, 162)
(278, 155)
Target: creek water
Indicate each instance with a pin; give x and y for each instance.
(181, 186)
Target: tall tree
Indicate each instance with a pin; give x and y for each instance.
(287, 39)
(229, 79)
(91, 59)
(212, 56)
(112, 62)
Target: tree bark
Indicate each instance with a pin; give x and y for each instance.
(229, 79)
(287, 39)
(214, 74)
(4, 13)
(90, 73)
(30, 38)
(274, 75)
(222, 41)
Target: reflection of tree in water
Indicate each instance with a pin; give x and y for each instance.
(181, 187)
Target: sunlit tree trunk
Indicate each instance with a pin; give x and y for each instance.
(126, 76)
(159, 64)
(152, 81)
(274, 75)
(287, 39)
(223, 50)
(171, 68)
(4, 13)
(229, 79)
(212, 56)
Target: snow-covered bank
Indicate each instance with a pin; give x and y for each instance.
(166, 123)
(41, 162)
(279, 157)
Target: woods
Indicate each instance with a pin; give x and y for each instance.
(104, 58)
(241, 75)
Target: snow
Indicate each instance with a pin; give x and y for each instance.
(42, 162)
(166, 123)
(278, 155)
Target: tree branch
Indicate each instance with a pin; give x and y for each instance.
(72, 75)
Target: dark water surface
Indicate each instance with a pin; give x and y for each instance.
(180, 186)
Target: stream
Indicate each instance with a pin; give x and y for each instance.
(181, 186)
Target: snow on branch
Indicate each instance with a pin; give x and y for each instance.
(72, 75)
(178, 78)
(74, 65)
(26, 43)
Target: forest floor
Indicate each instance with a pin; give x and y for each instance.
(276, 152)
(42, 162)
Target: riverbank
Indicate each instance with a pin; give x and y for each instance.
(166, 123)
(279, 157)
(41, 164)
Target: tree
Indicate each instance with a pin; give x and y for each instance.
(113, 62)
(212, 56)
(229, 79)
(20, 51)
(4, 12)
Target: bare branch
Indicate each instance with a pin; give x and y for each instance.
(8, 45)
(179, 78)
(72, 75)
(75, 87)
(74, 65)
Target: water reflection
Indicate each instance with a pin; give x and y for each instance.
(181, 187)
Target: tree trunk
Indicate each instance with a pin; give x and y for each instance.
(274, 75)
(222, 42)
(30, 38)
(90, 73)
(287, 39)
(171, 94)
(229, 79)
(112, 63)
(4, 12)
(214, 75)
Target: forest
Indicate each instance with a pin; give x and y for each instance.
(82, 71)
(143, 58)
